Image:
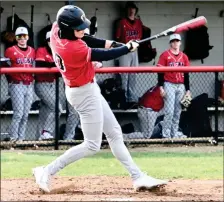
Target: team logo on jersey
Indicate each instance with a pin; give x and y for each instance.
(175, 64)
(169, 57)
(132, 33)
(15, 53)
(22, 61)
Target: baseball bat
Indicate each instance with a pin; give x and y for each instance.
(13, 17)
(31, 18)
(185, 26)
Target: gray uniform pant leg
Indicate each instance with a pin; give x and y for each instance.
(180, 91)
(22, 98)
(129, 79)
(71, 123)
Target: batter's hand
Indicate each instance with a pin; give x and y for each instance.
(162, 91)
(116, 44)
(97, 65)
(132, 45)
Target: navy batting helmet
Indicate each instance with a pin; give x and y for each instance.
(72, 17)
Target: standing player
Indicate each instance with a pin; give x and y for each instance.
(20, 84)
(45, 90)
(74, 60)
(129, 28)
(173, 86)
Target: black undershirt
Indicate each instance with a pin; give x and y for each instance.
(99, 54)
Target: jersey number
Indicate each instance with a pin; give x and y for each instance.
(59, 62)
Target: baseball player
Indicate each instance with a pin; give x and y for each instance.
(173, 86)
(129, 28)
(74, 60)
(20, 84)
(45, 90)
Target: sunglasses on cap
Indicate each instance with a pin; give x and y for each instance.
(20, 36)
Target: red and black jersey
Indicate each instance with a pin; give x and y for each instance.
(23, 59)
(129, 30)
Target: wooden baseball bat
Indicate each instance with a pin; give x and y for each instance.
(13, 17)
(31, 18)
(185, 26)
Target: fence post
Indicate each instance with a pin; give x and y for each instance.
(57, 135)
(216, 108)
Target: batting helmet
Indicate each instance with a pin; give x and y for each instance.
(72, 17)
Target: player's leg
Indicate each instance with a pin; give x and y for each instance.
(16, 92)
(41, 119)
(132, 79)
(87, 101)
(46, 91)
(125, 61)
(28, 99)
(169, 101)
(114, 135)
(177, 112)
(71, 123)
(147, 118)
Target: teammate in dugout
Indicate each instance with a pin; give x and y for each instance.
(20, 84)
(173, 87)
(129, 28)
(74, 59)
(45, 90)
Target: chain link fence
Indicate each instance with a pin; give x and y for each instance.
(37, 115)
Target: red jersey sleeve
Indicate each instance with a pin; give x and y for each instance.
(162, 60)
(8, 53)
(187, 62)
(40, 55)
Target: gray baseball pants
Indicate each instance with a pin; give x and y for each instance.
(71, 123)
(129, 79)
(22, 98)
(46, 92)
(96, 117)
(172, 108)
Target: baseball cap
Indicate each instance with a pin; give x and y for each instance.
(21, 30)
(175, 36)
(48, 35)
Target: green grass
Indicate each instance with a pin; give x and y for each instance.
(161, 164)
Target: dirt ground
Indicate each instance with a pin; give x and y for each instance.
(103, 188)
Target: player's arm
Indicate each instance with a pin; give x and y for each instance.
(186, 75)
(105, 55)
(7, 55)
(161, 62)
(118, 33)
(94, 42)
(40, 60)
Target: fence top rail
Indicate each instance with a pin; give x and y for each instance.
(139, 69)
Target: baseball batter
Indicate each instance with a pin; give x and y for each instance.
(129, 28)
(20, 84)
(74, 60)
(45, 90)
(173, 86)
